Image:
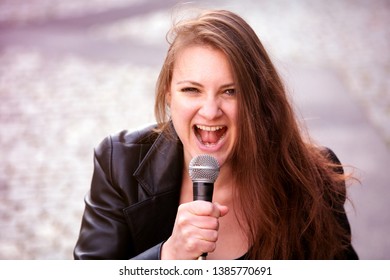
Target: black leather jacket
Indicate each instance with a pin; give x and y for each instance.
(132, 205)
(134, 196)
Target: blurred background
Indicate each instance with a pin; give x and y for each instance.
(72, 72)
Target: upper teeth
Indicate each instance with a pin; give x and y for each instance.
(209, 128)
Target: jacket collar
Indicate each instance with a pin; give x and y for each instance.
(161, 169)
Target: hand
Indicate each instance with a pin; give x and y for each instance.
(195, 231)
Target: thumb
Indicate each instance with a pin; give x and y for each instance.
(222, 209)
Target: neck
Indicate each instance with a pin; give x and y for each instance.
(225, 179)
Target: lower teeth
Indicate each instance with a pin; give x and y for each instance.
(209, 144)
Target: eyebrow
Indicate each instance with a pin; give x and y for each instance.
(200, 85)
(190, 82)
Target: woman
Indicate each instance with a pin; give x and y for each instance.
(277, 195)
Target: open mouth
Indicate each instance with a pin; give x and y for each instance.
(210, 135)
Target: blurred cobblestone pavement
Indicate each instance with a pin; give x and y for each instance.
(72, 72)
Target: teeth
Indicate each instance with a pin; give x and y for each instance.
(209, 128)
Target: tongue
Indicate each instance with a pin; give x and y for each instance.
(210, 137)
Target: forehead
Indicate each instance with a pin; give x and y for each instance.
(202, 61)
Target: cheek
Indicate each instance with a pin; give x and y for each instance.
(181, 119)
(181, 108)
(181, 115)
(231, 110)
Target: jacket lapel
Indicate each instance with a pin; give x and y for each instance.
(159, 176)
(161, 169)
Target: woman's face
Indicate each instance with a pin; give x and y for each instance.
(203, 103)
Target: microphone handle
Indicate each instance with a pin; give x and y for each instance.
(203, 191)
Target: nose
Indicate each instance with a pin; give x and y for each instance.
(210, 108)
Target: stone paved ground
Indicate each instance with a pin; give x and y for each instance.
(68, 79)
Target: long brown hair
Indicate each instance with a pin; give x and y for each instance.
(295, 191)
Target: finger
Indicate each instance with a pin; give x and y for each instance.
(196, 247)
(205, 222)
(210, 235)
(205, 208)
(201, 208)
(186, 219)
(208, 244)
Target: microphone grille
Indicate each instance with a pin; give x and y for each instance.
(204, 168)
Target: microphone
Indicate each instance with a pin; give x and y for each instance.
(203, 170)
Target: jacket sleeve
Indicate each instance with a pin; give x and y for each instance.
(153, 253)
(349, 253)
(103, 229)
(104, 232)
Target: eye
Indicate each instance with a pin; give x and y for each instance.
(230, 92)
(190, 90)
